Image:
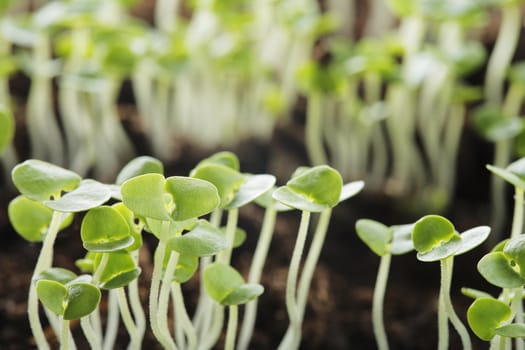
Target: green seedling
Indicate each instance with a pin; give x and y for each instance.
(168, 206)
(7, 127)
(384, 241)
(226, 286)
(503, 267)
(235, 190)
(318, 190)
(435, 239)
(68, 296)
(46, 183)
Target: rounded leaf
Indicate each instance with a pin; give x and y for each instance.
(204, 240)
(243, 294)
(192, 197)
(56, 274)
(186, 267)
(220, 280)
(225, 179)
(266, 200)
(485, 315)
(139, 166)
(515, 249)
(320, 185)
(145, 196)
(119, 271)
(135, 225)
(472, 238)
(431, 231)
(515, 179)
(82, 299)
(226, 158)
(104, 229)
(493, 125)
(351, 189)
(402, 239)
(500, 271)
(40, 180)
(89, 194)
(29, 218)
(514, 330)
(253, 187)
(375, 235)
(53, 295)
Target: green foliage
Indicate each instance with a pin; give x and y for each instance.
(31, 219)
(119, 270)
(485, 315)
(67, 295)
(89, 194)
(226, 286)
(40, 181)
(139, 166)
(104, 229)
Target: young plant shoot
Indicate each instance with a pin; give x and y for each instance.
(44, 184)
(384, 241)
(316, 190)
(435, 239)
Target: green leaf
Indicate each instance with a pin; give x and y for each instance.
(139, 166)
(431, 231)
(243, 294)
(485, 315)
(104, 229)
(135, 225)
(500, 271)
(29, 218)
(82, 299)
(472, 238)
(292, 199)
(226, 179)
(402, 239)
(186, 267)
(253, 187)
(7, 128)
(225, 158)
(119, 271)
(375, 235)
(204, 240)
(515, 249)
(474, 293)
(351, 189)
(56, 274)
(53, 295)
(320, 185)
(220, 280)
(39, 180)
(89, 194)
(508, 175)
(266, 200)
(146, 197)
(493, 125)
(192, 197)
(514, 330)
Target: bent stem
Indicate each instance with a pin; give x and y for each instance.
(291, 286)
(377, 305)
(89, 333)
(135, 337)
(182, 317)
(445, 301)
(259, 258)
(45, 260)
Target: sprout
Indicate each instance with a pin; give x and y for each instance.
(436, 239)
(385, 242)
(316, 189)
